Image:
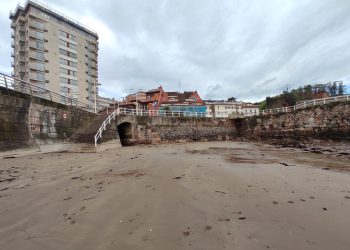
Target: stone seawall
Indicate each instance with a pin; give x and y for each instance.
(27, 121)
(330, 121)
(181, 129)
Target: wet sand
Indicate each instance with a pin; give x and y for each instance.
(213, 195)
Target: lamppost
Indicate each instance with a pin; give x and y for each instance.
(121, 97)
(95, 94)
(137, 104)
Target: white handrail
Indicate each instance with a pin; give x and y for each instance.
(108, 120)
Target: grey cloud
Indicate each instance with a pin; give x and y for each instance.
(246, 49)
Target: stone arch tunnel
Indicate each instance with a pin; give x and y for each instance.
(126, 127)
(125, 132)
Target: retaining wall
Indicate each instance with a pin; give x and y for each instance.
(331, 121)
(181, 129)
(27, 121)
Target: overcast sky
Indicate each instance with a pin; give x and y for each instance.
(246, 49)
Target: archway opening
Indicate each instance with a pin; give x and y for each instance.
(125, 133)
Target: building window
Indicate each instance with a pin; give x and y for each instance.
(38, 25)
(40, 55)
(72, 46)
(67, 35)
(64, 80)
(68, 72)
(64, 34)
(67, 53)
(40, 76)
(63, 61)
(64, 71)
(68, 63)
(39, 45)
(39, 34)
(73, 38)
(40, 66)
(63, 43)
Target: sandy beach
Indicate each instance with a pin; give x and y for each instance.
(205, 195)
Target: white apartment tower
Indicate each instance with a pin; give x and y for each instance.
(54, 52)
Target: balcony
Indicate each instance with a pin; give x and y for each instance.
(21, 76)
(21, 29)
(21, 69)
(40, 57)
(89, 89)
(91, 73)
(34, 66)
(92, 65)
(92, 49)
(21, 49)
(12, 64)
(21, 58)
(36, 35)
(12, 54)
(13, 25)
(33, 45)
(22, 19)
(12, 34)
(12, 44)
(36, 25)
(34, 76)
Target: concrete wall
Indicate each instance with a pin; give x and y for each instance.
(27, 121)
(323, 122)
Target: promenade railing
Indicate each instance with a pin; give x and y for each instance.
(305, 104)
(32, 89)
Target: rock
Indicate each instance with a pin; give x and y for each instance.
(221, 192)
(9, 157)
(186, 233)
(8, 179)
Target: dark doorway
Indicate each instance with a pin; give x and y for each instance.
(125, 133)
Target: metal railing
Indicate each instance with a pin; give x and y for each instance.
(16, 84)
(143, 112)
(108, 120)
(305, 104)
